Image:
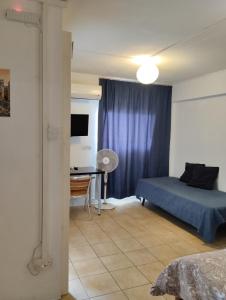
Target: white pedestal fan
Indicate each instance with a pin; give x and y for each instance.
(107, 161)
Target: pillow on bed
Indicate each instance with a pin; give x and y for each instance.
(204, 177)
(188, 173)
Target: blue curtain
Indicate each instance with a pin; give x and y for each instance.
(134, 121)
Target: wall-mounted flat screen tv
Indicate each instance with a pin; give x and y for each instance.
(79, 125)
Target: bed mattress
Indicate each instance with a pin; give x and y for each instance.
(203, 209)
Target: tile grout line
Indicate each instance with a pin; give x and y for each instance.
(108, 271)
(116, 219)
(122, 252)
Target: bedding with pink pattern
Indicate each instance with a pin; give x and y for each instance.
(195, 277)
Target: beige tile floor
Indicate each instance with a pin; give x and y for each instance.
(116, 256)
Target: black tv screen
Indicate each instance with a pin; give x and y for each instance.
(79, 125)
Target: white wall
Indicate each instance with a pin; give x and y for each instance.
(198, 124)
(84, 78)
(20, 158)
(84, 148)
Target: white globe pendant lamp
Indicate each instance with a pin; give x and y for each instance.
(147, 73)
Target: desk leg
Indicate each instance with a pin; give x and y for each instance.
(90, 193)
(98, 192)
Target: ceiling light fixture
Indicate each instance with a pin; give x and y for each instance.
(147, 73)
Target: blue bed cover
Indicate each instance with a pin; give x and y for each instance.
(203, 209)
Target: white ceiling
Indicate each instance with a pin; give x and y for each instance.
(107, 33)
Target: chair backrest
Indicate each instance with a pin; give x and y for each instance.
(80, 186)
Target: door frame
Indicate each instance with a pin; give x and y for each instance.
(67, 40)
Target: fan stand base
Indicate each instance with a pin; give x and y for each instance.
(105, 206)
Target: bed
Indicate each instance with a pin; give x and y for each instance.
(195, 277)
(203, 209)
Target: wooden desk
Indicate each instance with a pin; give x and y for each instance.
(91, 171)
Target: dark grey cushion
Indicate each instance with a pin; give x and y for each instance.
(188, 173)
(204, 177)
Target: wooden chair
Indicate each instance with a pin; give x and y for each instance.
(80, 187)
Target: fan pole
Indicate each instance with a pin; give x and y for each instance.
(105, 187)
(106, 205)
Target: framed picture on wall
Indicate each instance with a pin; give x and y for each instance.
(4, 93)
